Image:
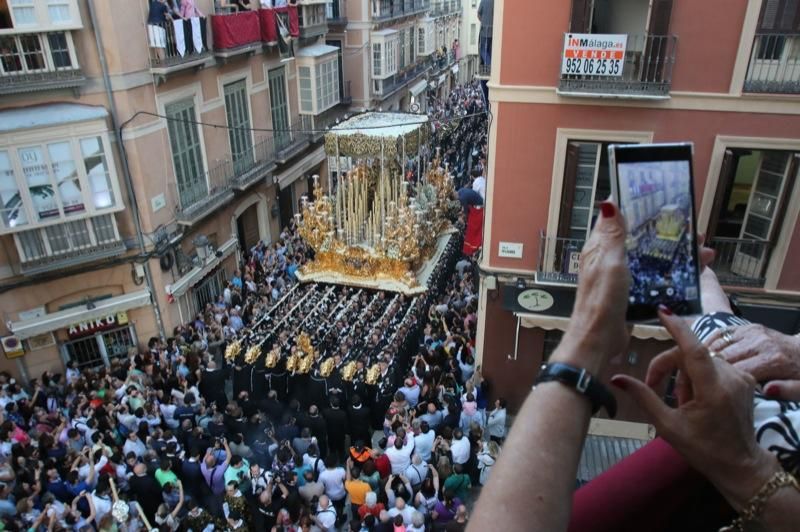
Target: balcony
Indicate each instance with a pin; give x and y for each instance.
(186, 48)
(445, 7)
(218, 185)
(740, 262)
(484, 71)
(323, 121)
(394, 9)
(313, 31)
(38, 62)
(395, 82)
(292, 140)
(336, 12)
(236, 34)
(643, 71)
(558, 259)
(774, 64)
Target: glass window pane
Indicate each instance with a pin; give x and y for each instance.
(58, 11)
(66, 174)
(32, 245)
(59, 50)
(104, 229)
(40, 186)
(79, 234)
(10, 58)
(57, 237)
(32, 52)
(24, 13)
(12, 211)
(94, 161)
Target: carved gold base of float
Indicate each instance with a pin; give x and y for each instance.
(363, 269)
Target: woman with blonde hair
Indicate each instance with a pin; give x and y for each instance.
(486, 459)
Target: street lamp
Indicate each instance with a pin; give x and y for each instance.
(201, 244)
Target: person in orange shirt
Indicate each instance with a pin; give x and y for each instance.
(360, 453)
(355, 487)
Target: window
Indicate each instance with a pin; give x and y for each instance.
(58, 10)
(24, 12)
(421, 40)
(96, 166)
(209, 289)
(20, 54)
(279, 107)
(12, 210)
(391, 56)
(411, 55)
(376, 60)
(747, 214)
(187, 156)
(306, 91)
(61, 179)
(402, 49)
(586, 184)
(473, 34)
(69, 238)
(238, 115)
(327, 75)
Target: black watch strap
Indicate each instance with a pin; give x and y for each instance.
(582, 382)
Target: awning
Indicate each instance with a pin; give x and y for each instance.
(198, 273)
(65, 318)
(418, 87)
(455, 69)
(284, 179)
(549, 323)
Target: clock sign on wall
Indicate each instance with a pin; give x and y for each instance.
(535, 300)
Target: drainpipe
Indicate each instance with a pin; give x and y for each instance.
(126, 171)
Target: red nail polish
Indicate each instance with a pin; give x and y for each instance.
(607, 209)
(619, 383)
(772, 391)
(665, 310)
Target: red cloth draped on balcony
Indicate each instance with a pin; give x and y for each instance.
(235, 29)
(473, 237)
(269, 23)
(653, 489)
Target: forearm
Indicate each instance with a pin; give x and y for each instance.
(533, 479)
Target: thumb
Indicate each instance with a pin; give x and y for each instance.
(644, 396)
(788, 390)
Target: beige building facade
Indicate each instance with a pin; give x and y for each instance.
(133, 178)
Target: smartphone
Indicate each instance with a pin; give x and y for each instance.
(653, 186)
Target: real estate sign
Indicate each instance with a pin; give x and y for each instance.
(589, 54)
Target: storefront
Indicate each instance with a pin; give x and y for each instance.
(92, 334)
(204, 283)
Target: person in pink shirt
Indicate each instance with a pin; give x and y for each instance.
(189, 9)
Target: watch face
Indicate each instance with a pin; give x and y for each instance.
(535, 299)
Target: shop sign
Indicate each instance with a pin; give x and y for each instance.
(588, 54)
(12, 347)
(549, 300)
(88, 328)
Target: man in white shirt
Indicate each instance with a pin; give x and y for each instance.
(400, 453)
(325, 518)
(423, 439)
(459, 447)
(134, 445)
(410, 391)
(417, 471)
(479, 183)
(400, 508)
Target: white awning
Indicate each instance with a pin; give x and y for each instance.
(182, 285)
(65, 318)
(284, 179)
(442, 78)
(455, 69)
(418, 87)
(549, 323)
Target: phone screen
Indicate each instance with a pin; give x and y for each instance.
(654, 190)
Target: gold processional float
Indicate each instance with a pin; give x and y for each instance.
(372, 227)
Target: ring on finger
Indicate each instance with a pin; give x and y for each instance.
(728, 337)
(714, 354)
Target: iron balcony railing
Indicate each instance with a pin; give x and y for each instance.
(646, 70)
(740, 262)
(558, 259)
(390, 9)
(290, 140)
(395, 82)
(774, 64)
(484, 71)
(186, 43)
(38, 61)
(217, 185)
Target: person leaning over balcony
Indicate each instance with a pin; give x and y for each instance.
(157, 17)
(189, 10)
(712, 427)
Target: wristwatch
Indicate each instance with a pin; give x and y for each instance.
(582, 382)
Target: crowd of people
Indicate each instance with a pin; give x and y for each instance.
(182, 436)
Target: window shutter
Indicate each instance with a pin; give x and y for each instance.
(581, 18)
(568, 190)
(727, 174)
(660, 13)
(783, 203)
(788, 21)
(768, 20)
